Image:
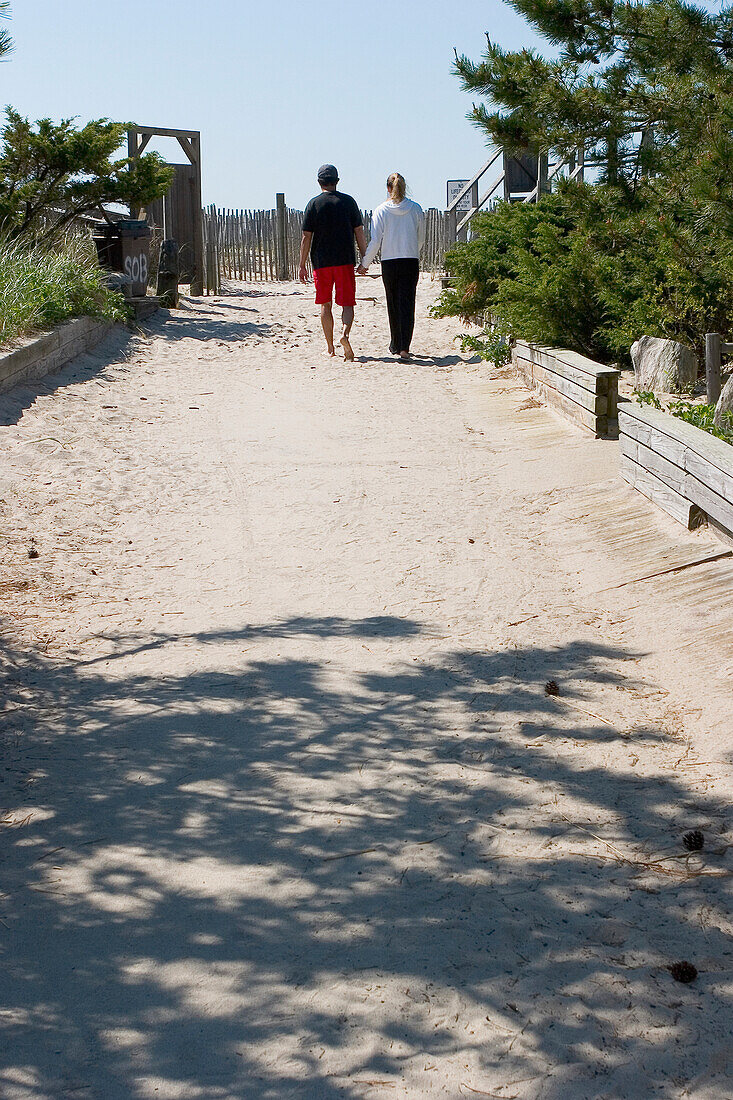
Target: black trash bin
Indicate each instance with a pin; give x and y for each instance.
(125, 247)
(135, 240)
(109, 246)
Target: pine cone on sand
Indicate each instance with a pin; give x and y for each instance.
(551, 688)
(694, 841)
(683, 971)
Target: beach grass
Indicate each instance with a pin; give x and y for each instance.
(40, 288)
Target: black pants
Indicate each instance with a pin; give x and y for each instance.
(400, 284)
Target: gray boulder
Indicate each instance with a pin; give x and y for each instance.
(663, 366)
(725, 403)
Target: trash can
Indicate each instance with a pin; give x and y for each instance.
(125, 247)
(109, 246)
(135, 239)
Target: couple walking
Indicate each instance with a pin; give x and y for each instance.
(332, 220)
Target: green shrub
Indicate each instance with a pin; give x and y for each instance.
(489, 344)
(648, 397)
(592, 268)
(702, 417)
(53, 173)
(40, 288)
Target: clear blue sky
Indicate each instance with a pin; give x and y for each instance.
(276, 87)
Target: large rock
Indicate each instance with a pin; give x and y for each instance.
(663, 366)
(725, 403)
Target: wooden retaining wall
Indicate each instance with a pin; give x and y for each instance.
(584, 391)
(681, 468)
(50, 352)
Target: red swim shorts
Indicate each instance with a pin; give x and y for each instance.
(342, 277)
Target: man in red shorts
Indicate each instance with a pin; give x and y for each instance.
(330, 223)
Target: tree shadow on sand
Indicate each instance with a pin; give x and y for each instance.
(14, 402)
(216, 326)
(235, 879)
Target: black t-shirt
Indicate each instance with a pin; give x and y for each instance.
(332, 218)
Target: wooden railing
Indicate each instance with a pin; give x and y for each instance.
(541, 177)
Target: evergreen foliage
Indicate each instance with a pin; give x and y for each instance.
(662, 67)
(50, 174)
(589, 270)
(647, 89)
(6, 42)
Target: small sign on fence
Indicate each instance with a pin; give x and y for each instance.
(454, 188)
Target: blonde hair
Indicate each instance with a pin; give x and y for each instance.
(396, 186)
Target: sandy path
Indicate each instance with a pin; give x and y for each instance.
(289, 811)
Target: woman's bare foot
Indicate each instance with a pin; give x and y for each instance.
(405, 356)
(348, 350)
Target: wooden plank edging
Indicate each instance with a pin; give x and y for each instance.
(686, 485)
(51, 351)
(658, 492)
(675, 460)
(584, 391)
(563, 357)
(587, 398)
(708, 447)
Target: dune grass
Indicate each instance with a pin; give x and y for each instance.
(40, 288)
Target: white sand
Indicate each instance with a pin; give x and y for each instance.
(289, 811)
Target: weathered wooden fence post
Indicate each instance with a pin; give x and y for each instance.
(167, 288)
(282, 238)
(712, 366)
(462, 234)
(451, 221)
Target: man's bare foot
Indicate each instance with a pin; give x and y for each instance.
(348, 350)
(330, 352)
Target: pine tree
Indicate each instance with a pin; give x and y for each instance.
(645, 87)
(6, 42)
(660, 68)
(51, 173)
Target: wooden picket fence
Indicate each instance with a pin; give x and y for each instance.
(436, 243)
(248, 245)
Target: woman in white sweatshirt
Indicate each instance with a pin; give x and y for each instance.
(398, 228)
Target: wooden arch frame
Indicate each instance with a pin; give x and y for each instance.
(138, 138)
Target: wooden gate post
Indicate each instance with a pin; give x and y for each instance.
(712, 366)
(193, 151)
(138, 138)
(282, 238)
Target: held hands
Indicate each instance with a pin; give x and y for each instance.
(361, 270)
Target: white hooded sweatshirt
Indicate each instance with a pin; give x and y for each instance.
(399, 229)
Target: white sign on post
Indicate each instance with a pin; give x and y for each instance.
(454, 189)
